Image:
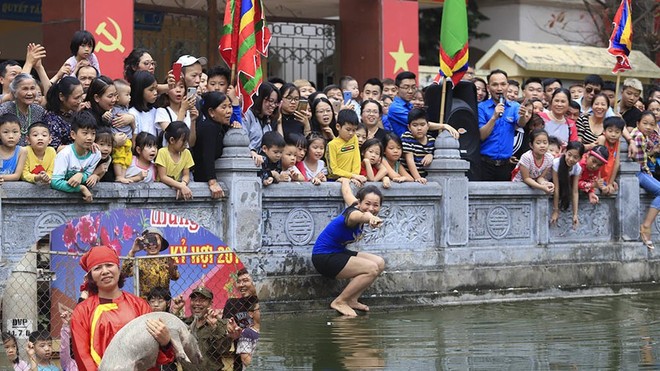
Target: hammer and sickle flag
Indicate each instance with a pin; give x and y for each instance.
(111, 23)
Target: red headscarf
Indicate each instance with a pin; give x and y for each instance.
(98, 255)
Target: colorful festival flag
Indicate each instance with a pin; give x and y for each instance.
(244, 40)
(454, 40)
(621, 39)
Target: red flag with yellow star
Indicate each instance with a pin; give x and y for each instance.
(400, 32)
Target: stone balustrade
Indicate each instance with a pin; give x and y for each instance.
(447, 235)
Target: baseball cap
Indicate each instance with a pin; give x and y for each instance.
(201, 290)
(189, 60)
(164, 244)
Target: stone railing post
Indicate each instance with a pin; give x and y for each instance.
(242, 225)
(628, 199)
(448, 169)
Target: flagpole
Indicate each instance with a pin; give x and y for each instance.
(616, 93)
(443, 99)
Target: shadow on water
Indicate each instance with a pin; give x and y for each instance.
(607, 333)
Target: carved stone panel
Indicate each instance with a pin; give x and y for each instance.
(404, 227)
(595, 223)
(501, 221)
(287, 227)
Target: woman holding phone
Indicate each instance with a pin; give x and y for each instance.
(293, 112)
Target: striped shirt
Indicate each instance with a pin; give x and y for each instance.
(584, 130)
(412, 145)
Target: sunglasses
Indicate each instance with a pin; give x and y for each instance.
(592, 90)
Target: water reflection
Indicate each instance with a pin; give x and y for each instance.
(613, 333)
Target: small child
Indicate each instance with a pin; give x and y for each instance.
(534, 166)
(40, 349)
(66, 361)
(554, 147)
(174, 161)
(82, 49)
(590, 179)
(76, 162)
(288, 160)
(390, 88)
(40, 158)
(12, 156)
(159, 299)
(349, 85)
(249, 338)
(612, 129)
(301, 145)
(343, 152)
(361, 134)
(372, 165)
(11, 349)
(392, 154)
(142, 167)
(103, 172)
(121, 151)
(272, 146)
(418, 145)
(313, 167)
(565, 176)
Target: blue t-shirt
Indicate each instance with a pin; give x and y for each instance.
(8, 165)
(499, 144)
(336, 235)
(47, 368)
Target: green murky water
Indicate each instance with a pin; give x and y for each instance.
(600, 333)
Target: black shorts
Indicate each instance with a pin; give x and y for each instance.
(330, 265)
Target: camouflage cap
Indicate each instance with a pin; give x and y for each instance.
(203, 291)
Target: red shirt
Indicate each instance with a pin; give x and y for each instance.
(94, 324)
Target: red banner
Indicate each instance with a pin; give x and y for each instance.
(111, 23)
(400, 20)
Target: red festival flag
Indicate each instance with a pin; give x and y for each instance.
(621, 39)
(244, 40)
(453, 41)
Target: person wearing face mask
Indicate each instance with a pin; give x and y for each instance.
(156, 272)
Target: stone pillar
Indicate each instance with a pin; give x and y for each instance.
(236, 169)
(19, 300)
(448, 169)
(630, 215)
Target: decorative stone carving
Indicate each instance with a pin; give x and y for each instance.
(299, 226)
(403, 226)
(595, 224)
(499, 221)
(46, 222)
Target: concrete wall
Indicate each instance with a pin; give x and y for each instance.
(444, 239)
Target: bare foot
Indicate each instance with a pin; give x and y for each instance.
(87, 195)
(359, 306)
(343, 308)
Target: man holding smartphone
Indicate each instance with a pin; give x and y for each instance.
(191, 70)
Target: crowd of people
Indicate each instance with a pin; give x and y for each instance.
(80, 127)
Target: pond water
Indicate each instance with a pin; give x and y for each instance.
(606, 333)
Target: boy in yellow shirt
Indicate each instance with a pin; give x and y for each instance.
(40, 156)
(343, 152)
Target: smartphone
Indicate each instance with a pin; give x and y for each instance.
(176, 71)
(336, 104)
(191, 92)
(347, 96)
(302, 105)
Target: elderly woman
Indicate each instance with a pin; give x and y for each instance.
(24, 92)
(96, 320)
